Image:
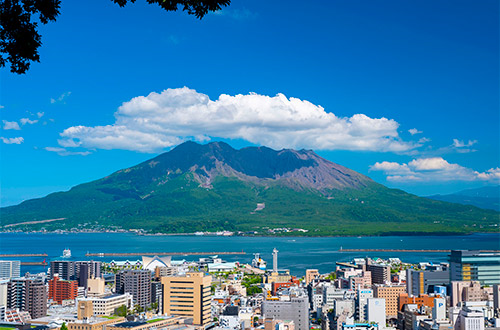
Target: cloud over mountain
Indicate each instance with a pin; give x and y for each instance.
(433, 169)
(160, 120)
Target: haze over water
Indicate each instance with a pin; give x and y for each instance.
(295, 253)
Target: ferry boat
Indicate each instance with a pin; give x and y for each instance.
(258, 262)
(66, 253)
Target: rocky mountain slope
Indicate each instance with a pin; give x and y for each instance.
(212, 187)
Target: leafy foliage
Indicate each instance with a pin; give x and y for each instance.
(19, 37)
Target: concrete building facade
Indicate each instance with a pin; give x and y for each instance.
(475, 266)
(10, 268)
(188, 296)
(296, 310)
(391, 295)
(60, 290)
(136, 282)
(27, 295)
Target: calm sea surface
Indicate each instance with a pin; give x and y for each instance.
(295, 253)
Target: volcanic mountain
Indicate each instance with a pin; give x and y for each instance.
(214, 187)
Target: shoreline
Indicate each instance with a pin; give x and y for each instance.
(390, 234)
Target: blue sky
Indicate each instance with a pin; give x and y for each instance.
(356, 77)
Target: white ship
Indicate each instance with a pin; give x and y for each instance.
(258, 262)
(66, 253)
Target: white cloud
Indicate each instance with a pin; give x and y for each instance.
(160, 120)
(61, 98)
(414, 131)
(435, 169)
(10, 125)
(424, 140)
(25, 121)
(461, 144)
(64, 152)
(40, 114)
(15, 140)
(491, 174)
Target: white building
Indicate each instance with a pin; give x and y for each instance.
(362, 303)
(10, 268)
(108, 304)
(469, 320)
(376, 311)
(439, 309)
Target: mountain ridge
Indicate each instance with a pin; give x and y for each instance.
(213, 186)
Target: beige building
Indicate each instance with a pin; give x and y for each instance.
(311, 274)
(468, 291)
(188, 296)
(95, 286)
(277, 277)
(391, 295)
(108, 304)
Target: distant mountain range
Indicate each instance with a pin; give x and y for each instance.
(214, 187)
(485, 197)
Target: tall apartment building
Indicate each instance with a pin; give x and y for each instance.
(475, 266)
(65, 269)
(136, 282)
(391, 295)
(85, 270)
(362, 304)
(467, 291)
(10, 268)
(157, 294)
(295, 309)
(419, 281)
(188, 296)
(381, 274)
(60, 290)
(27, 295)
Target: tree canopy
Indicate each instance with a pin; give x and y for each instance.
(19, 19)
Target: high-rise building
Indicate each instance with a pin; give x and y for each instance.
(496, 296)
(27, 295)
(467, 291)
(157, 294)
(376, 311)
(138, 283)
(64, 268)
(188, 296)
(391, 295)
(418, 282)
(60, 290)
(10, 268)
(295, 309)
(85, 270)
(381, 274)
(479, 266)
(362, 304)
